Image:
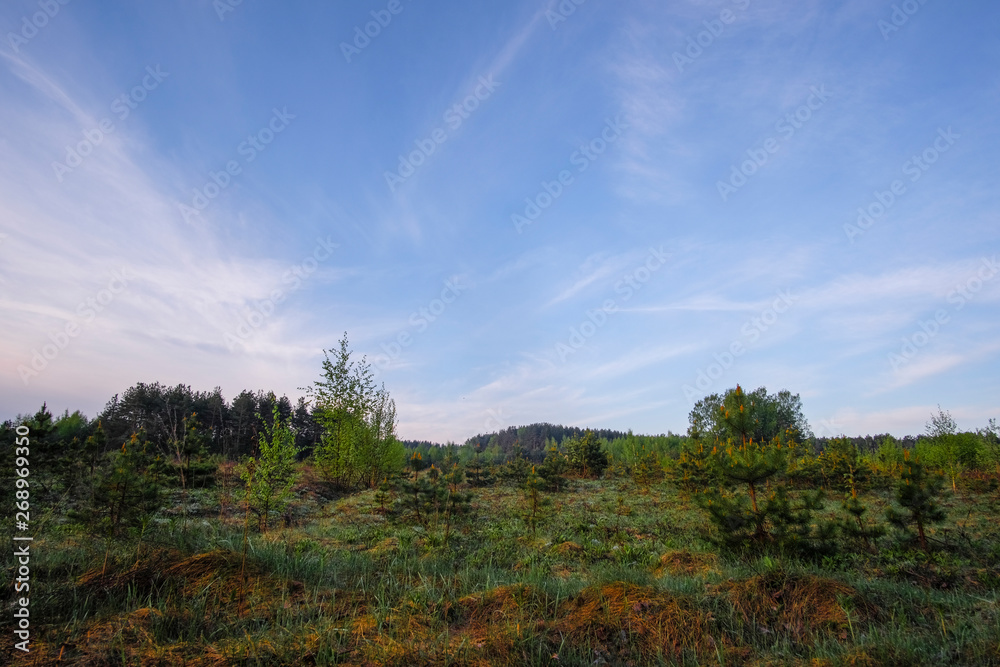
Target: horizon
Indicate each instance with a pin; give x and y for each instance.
(550, 211)
(67, 412)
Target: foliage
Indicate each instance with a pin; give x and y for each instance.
(358, 446)
(990, 438)
(554, 468)
(533, 440)
(271, 475)
(840, 465)
(477, 474)
(535, 502)
(917, 496)
(516, 468)
(435, 501)
(773, 415)
(855, 526)
(947, 449)
(612, 577)
(586, 456)
(695, 468)
(127, 491)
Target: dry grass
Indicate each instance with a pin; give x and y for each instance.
(492, 627)
(687, 564)
(228, 591)
(566, 549)
(388, 545)
(802, 607)
(637, 619)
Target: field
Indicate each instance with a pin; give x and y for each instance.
(606, 572)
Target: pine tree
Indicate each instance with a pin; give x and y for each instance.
(477, 474)
(553, 469)
(586, 456)
(128, 491)
(855, 526)
(917, 495)
(457, 503)
(533, 486)
(695, 469)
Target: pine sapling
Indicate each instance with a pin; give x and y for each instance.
(917, 495)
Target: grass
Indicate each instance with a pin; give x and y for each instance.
(613, 575)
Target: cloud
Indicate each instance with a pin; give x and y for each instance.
(115, 213)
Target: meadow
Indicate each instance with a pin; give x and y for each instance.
(604, 571)
(161, 537)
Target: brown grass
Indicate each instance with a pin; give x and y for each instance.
(687, 563)
(621, 622)
(803, 607)
(630, 618)
(566, 549)
(176, 580)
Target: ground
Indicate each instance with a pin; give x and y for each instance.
(613, 574)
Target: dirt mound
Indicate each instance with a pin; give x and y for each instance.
(637, 618)
(687, 563)
(219, 575)
(566, 549)
(803, 607)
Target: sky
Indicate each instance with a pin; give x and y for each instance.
(577, 212)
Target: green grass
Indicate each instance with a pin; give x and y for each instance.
(602, 581)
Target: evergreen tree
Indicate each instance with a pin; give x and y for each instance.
(554, 468)
(695, 469)
(917, 495)
(586, 457)
(128, 492)
(535, 501)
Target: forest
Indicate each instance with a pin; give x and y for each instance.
(176, 527)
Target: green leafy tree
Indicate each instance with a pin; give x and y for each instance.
(271, 475)
(942, 429)
(950, 450)
(990, 437)
(358, 446)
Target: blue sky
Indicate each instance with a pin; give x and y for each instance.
(585, 213)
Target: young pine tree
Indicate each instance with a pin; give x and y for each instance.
(128, 492)
(554, 468)
(855, 526)
(586, 456)
(917, 495)
(534, 500)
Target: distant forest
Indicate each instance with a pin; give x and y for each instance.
(231, 428)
